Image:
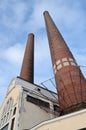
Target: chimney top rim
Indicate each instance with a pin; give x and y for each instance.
(45, 12)
(30, 34)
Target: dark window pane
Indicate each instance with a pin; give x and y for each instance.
(56, 108)
(12, 124)
(5, 128)
(37, 101)
(14, 112)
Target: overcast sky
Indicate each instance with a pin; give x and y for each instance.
(18, 18)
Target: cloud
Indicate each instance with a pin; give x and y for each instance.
(18, 18)
(12, 54)
(10, 65)
(13, 13)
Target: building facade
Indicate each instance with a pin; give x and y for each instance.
(27, 105)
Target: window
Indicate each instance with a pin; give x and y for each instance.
(5, 128)
(12, 124)
(14, 112)
(8, 106)
(10, 113)
(10, 102)
(37, 101)
(56, 108)
(7, 116)
(2, 121)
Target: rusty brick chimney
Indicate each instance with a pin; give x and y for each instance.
(70, 82)
(27, 70)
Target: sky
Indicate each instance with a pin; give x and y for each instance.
(18, 18)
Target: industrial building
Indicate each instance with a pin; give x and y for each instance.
(28, 106)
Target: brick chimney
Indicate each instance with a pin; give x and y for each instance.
(70, 82)
(27, 70)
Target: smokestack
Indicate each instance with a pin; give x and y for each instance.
(27, 71)
(70, 82)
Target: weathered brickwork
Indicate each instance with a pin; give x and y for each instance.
(27, 71)
(71, 84)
